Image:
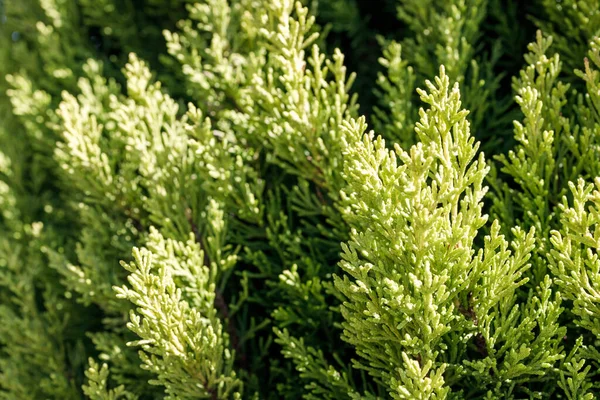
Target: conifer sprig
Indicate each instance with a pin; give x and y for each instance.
(420, 294)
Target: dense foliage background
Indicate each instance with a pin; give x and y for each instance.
(192, 205)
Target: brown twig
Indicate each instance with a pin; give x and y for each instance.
(468, 312)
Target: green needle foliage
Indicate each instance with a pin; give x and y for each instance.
(427, 309)
(192, 204)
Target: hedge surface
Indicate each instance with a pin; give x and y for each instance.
(328, 199)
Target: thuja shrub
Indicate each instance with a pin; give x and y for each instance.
(194, 204)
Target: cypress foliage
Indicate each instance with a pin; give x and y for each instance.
(193, 204)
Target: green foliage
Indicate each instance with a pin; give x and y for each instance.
(557, 150)
(572, 24)
(557, 142)
(180, 333)
(192, 205)
(416, 277)
(537, 164)
(97, 381)
(450, 34)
